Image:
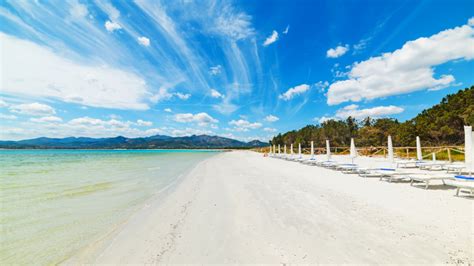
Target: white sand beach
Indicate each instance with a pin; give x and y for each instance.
(239, 207)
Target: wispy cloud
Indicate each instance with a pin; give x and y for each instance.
(286, 29)
(271, 39)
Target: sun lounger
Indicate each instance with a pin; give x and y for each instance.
(311, 161)
(427, 178)
(377, 172)
(463, 183)
(407, 163)
(431, 166)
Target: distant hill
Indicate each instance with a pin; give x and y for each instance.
(153, 142)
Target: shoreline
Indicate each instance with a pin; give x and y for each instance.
(90, 252)
(265, 210)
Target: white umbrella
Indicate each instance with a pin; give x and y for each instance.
(468, 148)
(299, 150)
(434, 156)
(279, 151)
(390, 149)
(328, 150)
(312, 149)
(274, 150)
(284, 150)
(419, 156)
(353, 150)
(291, 150)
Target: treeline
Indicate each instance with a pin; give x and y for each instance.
(439, 125)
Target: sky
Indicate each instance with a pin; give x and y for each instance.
(240, 69)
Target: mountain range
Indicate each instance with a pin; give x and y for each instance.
(153, 142)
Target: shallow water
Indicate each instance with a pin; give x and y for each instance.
(55, 202)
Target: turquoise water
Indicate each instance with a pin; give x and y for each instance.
(53, 203)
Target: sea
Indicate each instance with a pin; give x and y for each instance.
(54, 203)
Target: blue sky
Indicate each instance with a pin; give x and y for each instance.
(241, 69)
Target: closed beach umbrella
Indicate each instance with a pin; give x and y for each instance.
(291, 149)
(312, 149)
(468, 148)
(284, 149)
(328, 150)
(279, 151)
(419, 156)
(274, 150)
(434, 156)
(299, 150)
(353, 150)
(390, 149)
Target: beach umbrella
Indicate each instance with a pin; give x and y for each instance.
(291, 150)
(353, 150)
(328, 150)
(299, 150)
(284, 150)
(468, 148)
(434, 156)
(472, 152)
(390, 149)
(279, 151)
(312, 149)
(419, 156)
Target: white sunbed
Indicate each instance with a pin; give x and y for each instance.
(463, 185)
(344, 166)
(311, 161)
(407, 163)
(386, 173)
(427, 178)
(431, 166)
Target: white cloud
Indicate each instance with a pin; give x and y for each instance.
(47, 119)
(34, 109)
(337, 52)
(36, 71)
(144, 41)
(271, 39)
(144, 123)
(202, 119)
(3, 104)
(112, 26)
(470, 22)
(269, 129)
(408, 69)
(374, 112)
(216, 94)
(244, 125)
(7, 117)
(323, 119)
(215, 70)
(78, 10)
(286, 29)
(271, 118)
(321, 85)
(292, 92)
(182, 96)
(168, 110)
(232, 24)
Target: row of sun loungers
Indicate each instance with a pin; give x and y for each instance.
(409, 170)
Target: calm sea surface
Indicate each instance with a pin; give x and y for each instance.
(53, 203)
